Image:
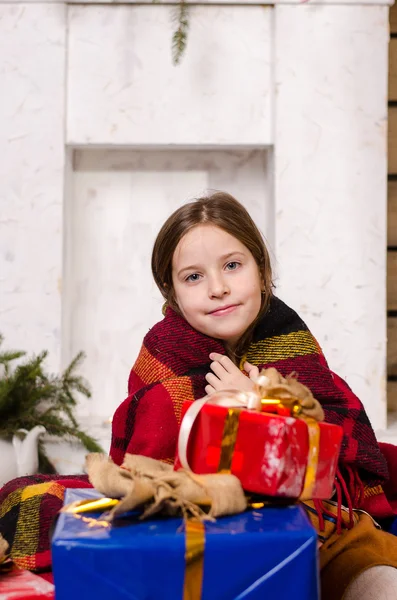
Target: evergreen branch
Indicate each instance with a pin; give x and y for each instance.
(24, 388)
(69, 412)
(59, 429)
(76, 362)
(88, 442)
(6, 357)
(179, 38)
(78, 384)
(30, 397)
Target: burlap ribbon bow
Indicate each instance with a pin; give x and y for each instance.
(271, 384)
(154, 486)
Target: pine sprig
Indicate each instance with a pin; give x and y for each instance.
(179, 38)
(29, 397)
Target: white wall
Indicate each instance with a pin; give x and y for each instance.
(32, 118)
(306, 80)
(330, 180)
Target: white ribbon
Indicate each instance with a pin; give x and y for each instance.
(227, 399)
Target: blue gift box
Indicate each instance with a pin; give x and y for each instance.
(259, 554)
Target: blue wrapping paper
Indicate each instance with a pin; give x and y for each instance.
(266, 553)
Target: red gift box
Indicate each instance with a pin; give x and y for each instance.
(271, 453)
(19, 584)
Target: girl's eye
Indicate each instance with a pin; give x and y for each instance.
(232, 266)
(193, 277)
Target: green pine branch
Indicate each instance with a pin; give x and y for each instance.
(179, 38)
(29, 396)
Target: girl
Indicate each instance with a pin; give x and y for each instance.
(222, 324)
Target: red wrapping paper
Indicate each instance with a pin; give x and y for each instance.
(19, 584)
(271, 452)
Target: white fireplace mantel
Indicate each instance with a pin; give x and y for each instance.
(244, 3)
(305, 83)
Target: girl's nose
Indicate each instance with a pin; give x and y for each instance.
(218, 288)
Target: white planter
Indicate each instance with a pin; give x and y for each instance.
(20, 456)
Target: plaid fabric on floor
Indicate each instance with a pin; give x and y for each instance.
(28, 506)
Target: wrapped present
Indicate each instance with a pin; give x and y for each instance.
(262, 553)
(272, 453)
(18, 584)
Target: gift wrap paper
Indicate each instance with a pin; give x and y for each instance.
(266, 553)
(270, 454)
(19, 584)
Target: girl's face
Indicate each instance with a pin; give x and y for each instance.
(216, 282)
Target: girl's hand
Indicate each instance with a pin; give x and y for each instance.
(225, 375)
(251, 370)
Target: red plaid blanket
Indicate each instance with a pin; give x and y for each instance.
(171, 367)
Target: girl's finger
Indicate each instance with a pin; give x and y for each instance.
(218, 369)
(248, 366)
(252, 370)
(209, 389)
(212, 380)
(254, 373)
(225, 361)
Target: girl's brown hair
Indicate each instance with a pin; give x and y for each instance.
(223, 211)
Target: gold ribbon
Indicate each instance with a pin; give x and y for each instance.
(194, 559)
(313, 430)
(89, 505)
(293, 404)
(229, 437)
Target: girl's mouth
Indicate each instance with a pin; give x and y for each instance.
(224, 310)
